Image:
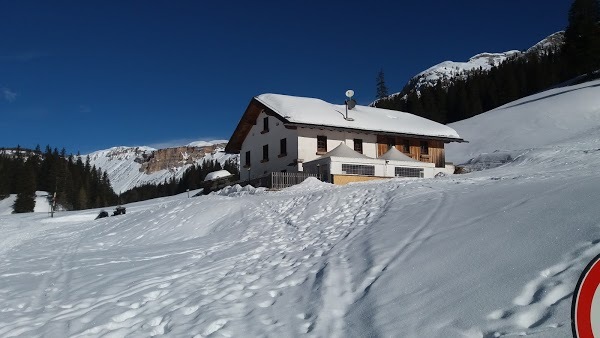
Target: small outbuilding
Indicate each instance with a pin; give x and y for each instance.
(217, 174)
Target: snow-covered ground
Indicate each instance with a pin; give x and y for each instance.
(492, 253)
(41, 203)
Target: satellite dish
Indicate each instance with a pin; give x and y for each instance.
(349, 93)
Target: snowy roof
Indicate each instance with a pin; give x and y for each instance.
(311, 111)
(217, 174)
(344, 151)
(396, 155)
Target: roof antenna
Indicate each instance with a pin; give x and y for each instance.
(350, 103)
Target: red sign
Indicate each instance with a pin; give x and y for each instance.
(585, 311)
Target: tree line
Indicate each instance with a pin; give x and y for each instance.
(76, 184)
(480, 90)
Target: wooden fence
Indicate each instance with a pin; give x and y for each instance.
(274, 180)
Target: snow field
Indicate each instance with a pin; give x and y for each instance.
(493, 253)
(435, 257)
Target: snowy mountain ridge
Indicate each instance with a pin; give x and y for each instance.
(448, 70)
(128, 167)
(451, 69)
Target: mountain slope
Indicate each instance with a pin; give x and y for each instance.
(128, 167)
(561, 113)
(494, 253)
(449, 70)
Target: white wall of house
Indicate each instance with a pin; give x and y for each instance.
(255, 141)
(447, 170)
(302, 145)
(307, 142)
(333, 166)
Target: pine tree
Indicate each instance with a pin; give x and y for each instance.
(26, 184)
(382, 90)
(582, 37)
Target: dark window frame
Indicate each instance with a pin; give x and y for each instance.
(247, 164)
(406, 146)
(391, 142)
(358, 169)
(408, 172)
(424, 145)
(283, 147)
(358, 145)
(265, 157)
(321, 144)
(265, 125)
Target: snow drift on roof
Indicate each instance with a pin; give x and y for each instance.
(396, 155)
(217, 174)
(304, 110)
(344, 151)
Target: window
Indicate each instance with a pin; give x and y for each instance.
(247, 159)
(391, 142)
(406, 146)
(282, 147)
(265, 125)
(424, 148)
(321, 144)
(358, 169)
(265, 153)
(358, 145)
(408, 172)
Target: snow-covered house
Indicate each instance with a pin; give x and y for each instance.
(299, 134)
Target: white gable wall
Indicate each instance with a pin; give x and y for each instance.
(307, 142)
(254, 142)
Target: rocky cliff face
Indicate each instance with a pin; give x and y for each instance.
(170, 158)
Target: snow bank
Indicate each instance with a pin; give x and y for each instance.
(237, 191)
(310, 184)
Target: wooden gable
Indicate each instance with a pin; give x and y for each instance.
(248, 120)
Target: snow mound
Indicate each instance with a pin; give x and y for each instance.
(238, 191)
(309, 184)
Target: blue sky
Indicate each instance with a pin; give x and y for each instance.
(88, 75)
